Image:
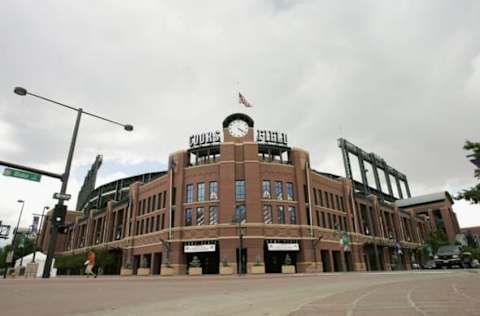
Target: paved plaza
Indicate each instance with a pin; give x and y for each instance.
(447, 292)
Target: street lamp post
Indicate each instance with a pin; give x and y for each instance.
(36, 237)
(58, 217)
(14, 237)
(237, 219)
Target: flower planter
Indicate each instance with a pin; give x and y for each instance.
(226, 270)
(143, 271)
(195, 271)
(126, 271)
(167, 271)
(288, 269)
(258, 270)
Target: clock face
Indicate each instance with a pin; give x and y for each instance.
(238, 128)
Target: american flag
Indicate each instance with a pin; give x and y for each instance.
(242, 100)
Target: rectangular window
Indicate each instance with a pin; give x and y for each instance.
(159, 201)
(157, 223)
(317, 213)
(213, 216)
(326, 200)
(290, 195)
(201, 192)
(241, 213)
(188, 217)
(267, 214)
(189, 194)
(292, 212)
(315, 199)
(324, 224)
(338, 202)
(154, 202)
(320, 195)
(213, 190)
(305, 194)
(279, 190)
(164, 203)
(266, 190)
(329, 220)
(163, 222)
(342, 206)
(200, 215)
(240, 190)
(281, 215)
(149, 204)
(143, 206)
(147, 225)
(331, 200)
(152, 223)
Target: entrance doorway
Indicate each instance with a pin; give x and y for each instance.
(371, 256)
(348, 260)
(244, 260)
(136, 264)
(275, 259)
(327, 267)
(209, 261)
(337, 261)
(157, 262)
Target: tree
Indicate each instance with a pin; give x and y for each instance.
(435, 240)
(472, 194)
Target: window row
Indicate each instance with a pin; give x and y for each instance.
(150, 224)
(331, 221)
(328, 200)
(268, 216)
(278, 190)
(152, 203)
(201, 218)
(201, 194)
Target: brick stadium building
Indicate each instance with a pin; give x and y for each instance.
(250, 188)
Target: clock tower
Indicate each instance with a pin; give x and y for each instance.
(238, 128)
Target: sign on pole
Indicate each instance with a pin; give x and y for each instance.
(60, 196)
(4, 231)
(9, 258)
(26, 175)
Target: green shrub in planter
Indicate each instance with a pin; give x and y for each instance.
(195, 262)
(257, 261)
(225, 262)
(287, 261)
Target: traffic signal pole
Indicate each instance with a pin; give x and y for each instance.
(59, 208)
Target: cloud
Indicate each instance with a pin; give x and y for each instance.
(401, 81)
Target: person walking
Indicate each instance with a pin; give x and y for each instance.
(90, 263)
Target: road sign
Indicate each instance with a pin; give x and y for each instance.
(59, 196)
(27, 175)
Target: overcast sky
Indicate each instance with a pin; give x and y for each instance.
(401, 79)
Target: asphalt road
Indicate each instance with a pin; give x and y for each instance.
(449, 292)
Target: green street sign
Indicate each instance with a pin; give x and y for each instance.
(27, 175)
